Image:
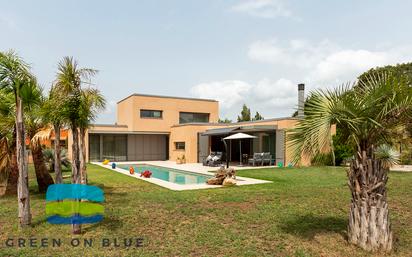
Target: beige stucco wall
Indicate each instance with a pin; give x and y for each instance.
(187, 134)
(128, 111)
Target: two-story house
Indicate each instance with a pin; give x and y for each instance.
(153, 127)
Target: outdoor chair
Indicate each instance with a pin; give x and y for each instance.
(256, 160)
(208, 159)
(216, 160)
(266, 158)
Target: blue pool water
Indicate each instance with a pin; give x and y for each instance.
(171, 175)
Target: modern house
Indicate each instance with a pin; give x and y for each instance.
(153, 127)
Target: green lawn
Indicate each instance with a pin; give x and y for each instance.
(302, 213)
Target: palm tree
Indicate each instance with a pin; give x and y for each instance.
(14, 76)
(92, 102)
(33, 99)
(69, 81)
(10, 170)
(53, 114)
(4, 165)
(367, 114)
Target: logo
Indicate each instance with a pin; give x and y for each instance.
(74, 204)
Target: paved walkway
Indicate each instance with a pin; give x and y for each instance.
(197, 168)
(193, 167)
(404, 168)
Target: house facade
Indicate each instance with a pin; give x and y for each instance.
(153, 127)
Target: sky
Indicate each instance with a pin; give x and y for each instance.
(252, 52)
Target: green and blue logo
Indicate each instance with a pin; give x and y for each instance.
(65, 204)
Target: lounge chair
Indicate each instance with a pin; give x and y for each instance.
(216, 160)
(266, 158)
(256, 160)
(208, 159)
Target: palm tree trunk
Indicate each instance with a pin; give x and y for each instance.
(23, 181)
(83, 167)
(76, 179)
(42, 174)
(57, 155)
(369, 225)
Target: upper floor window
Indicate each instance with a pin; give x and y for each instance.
(187, 117)
(151, 114)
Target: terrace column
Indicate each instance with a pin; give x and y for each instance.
(301, 100)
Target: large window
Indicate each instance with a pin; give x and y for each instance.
(187, 117)
(94, 147)
(115, 147)
(154, 114)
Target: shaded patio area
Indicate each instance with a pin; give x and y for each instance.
(268, 139)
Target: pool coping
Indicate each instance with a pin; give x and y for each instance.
(176, 187)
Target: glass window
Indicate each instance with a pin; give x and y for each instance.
(180, 145)
(115, 147)
(151, 114)
(187, 117)
(94, 147)
(269, 144)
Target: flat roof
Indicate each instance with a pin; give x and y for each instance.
(234, 123)
(109, 125)
(172, 97)
(236, 129)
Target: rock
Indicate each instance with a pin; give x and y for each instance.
(230, 172)
(223, 175)
(229, 182)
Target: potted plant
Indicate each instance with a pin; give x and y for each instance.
(183, 160)
(178, 160)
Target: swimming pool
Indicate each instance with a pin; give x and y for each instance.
(179, 177)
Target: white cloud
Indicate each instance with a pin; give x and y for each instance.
(322, 64)
(228, 93)
(266, 96)
(325, 63)
(297, 53)
(348, 64)
(263, 8)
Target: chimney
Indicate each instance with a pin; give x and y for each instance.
(301, 99)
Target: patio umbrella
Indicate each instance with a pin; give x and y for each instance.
(238, 136)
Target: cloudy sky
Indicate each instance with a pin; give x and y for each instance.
(234, 51)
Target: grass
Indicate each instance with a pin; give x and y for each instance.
(302, 213)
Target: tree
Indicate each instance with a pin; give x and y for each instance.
(244, 114)
(14, 76)
(399, 70)
(33, 100)
(368, 113)
(258, 116)
(403, 139)
(343, 150)
(226, 120)
(68, 82)
(53, 112)
(92, 101)
(10, 169)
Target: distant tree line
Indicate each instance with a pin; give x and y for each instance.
(245, 115)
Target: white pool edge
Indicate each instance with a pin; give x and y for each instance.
(176, 187)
